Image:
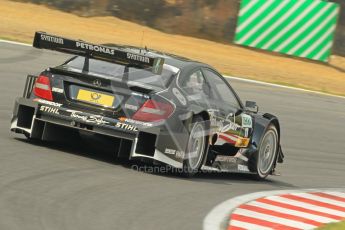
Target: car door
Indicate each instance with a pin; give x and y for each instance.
(234, 125)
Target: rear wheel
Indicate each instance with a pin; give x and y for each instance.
(263, 161)
(196, 147)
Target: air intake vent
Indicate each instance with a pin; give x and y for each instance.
(146, 144)
(25, 115)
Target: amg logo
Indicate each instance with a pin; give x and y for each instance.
(51, 39)
(137, 57)
(90, 47)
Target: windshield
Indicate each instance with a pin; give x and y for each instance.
(135, 74)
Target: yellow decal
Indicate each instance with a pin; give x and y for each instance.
(95, 98)
(242, 142)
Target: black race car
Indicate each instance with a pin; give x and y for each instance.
(158, 106)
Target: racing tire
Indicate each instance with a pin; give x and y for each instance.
(196, 147)
(263, 162)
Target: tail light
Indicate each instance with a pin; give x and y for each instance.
(153, 111)
(42, 88)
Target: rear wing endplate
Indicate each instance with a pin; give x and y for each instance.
(43, 40)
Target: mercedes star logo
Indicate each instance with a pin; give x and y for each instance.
(97, 83)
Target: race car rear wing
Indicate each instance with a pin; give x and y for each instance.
(43, 40)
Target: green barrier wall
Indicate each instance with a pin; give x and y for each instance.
(302, 28)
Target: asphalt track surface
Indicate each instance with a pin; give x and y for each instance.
(64, 186)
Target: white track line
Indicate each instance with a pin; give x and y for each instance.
(15, 43)
(218, 217)
(282, 86)
(230, 77)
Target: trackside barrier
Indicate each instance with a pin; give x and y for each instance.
(301, 28)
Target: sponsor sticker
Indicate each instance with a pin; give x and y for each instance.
(52, 39)
(49, 109)
(135, 122)
(131, 107)
(126, 126)
(101, 49)
(247, 121)
(242, 168)
(47, 102)
(230, 126)
(227, 159)
(137, 57)
(57, 90)
(96, 119)
(170, 151)
(178, 154)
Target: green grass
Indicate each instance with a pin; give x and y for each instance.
(333, 226)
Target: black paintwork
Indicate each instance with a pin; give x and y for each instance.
(171, 134)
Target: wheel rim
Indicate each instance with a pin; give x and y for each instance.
(267, 152)
(196, 146)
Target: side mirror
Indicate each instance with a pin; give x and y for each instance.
(252, 106)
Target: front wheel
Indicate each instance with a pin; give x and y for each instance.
(196, 147)
(265, 157)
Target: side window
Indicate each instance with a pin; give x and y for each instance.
(220, 89)
(195, 83)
